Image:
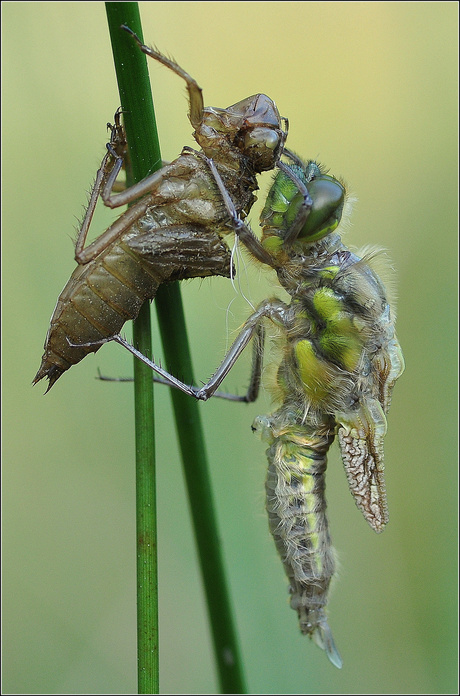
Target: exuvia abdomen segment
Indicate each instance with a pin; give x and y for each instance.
(97, 300)
(103, 294)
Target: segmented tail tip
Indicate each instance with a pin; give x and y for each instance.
(322, 636)
(51, 372)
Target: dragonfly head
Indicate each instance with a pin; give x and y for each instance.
(328, 199)
(282, 218)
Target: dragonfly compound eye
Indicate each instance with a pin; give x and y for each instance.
(328, 197)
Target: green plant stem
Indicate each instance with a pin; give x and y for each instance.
(174, 337)
(196, 472)
(144, 151)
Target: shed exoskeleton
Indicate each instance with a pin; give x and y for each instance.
(172, 231)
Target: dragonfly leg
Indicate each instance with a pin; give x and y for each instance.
(242, 230)
(304, 208)
(293, 157)
(256, 369)
(106, 187)
(166, 377)
(254, 382)
(144, 190)
(274, 310)
(107, 173)
(105, 182)
(115, 230)
(194, 90)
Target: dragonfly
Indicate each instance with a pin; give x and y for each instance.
(340, 359)
(174, 228)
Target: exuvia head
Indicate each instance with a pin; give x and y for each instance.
(251, 127)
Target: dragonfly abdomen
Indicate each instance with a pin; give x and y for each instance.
(296, 507)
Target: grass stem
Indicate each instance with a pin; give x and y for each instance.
(138, 117)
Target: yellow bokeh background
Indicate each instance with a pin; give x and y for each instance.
(370, 90)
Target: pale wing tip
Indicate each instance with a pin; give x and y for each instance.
(334, 657)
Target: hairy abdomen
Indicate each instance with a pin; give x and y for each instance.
(296, 507)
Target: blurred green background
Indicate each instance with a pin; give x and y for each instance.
(370, 89)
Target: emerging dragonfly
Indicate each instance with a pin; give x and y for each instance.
(340, 361)
(173, 229)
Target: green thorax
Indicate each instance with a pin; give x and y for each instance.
(337, 305)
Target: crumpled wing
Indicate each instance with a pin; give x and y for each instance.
(361, 434)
